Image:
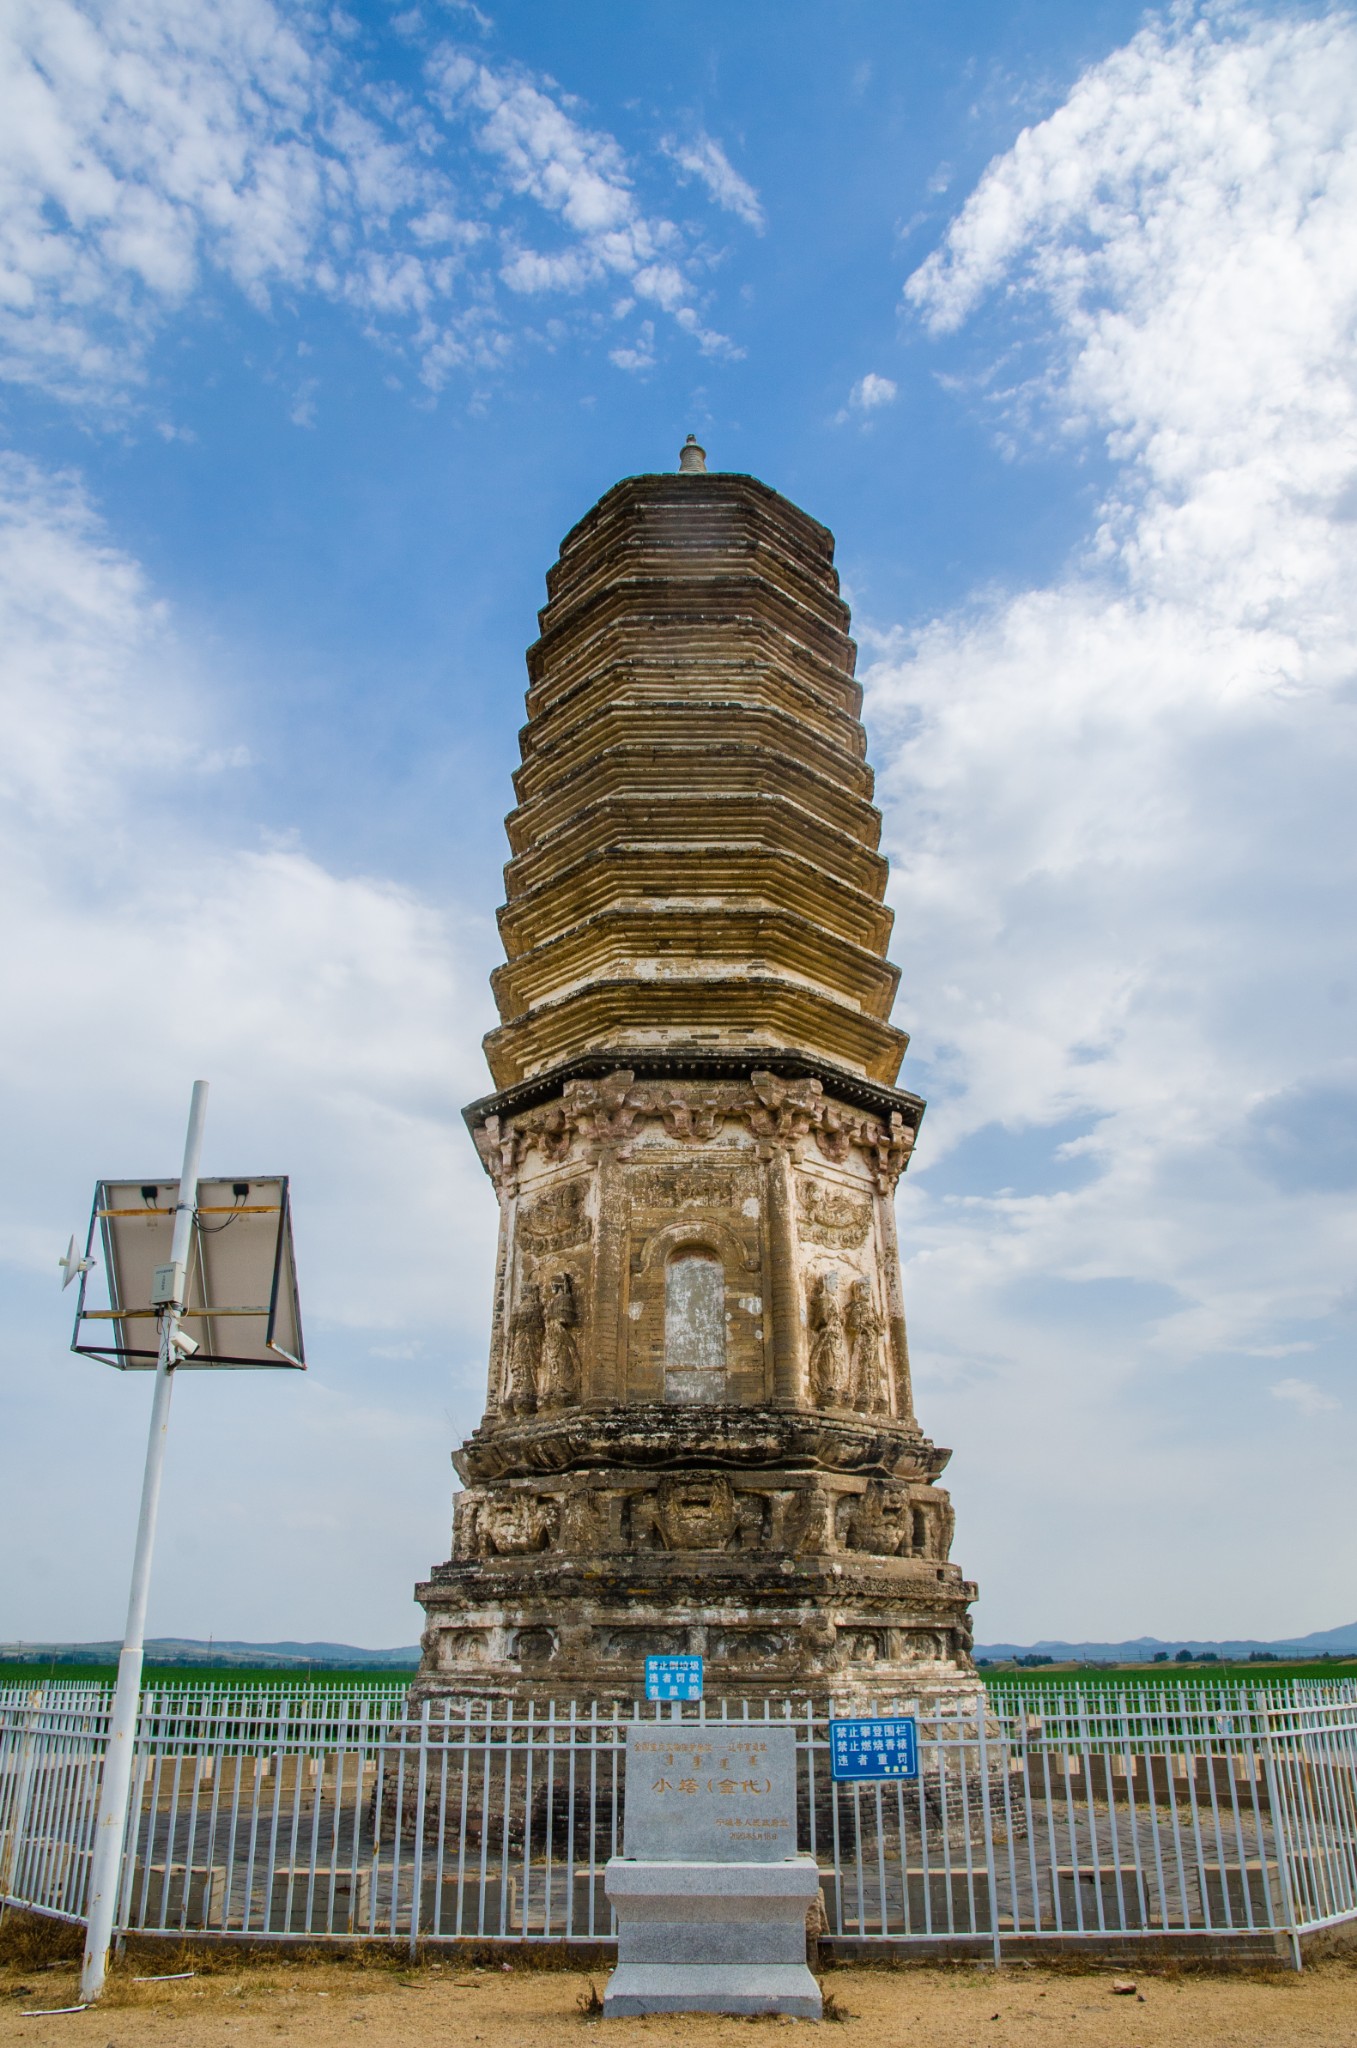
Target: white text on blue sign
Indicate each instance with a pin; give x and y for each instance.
(673, 1678)
(874, 1749)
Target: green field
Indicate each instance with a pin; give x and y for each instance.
(293, 1678)
(289, 1676)
(1164, 1674)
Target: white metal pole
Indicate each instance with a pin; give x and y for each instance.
(115, 1786)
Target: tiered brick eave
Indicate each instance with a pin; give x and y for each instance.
(651, 874)
(674, 768)
(756, 676)
(748, 1010)
(709, 722)
(716, 520)
(686, 941)
(771, 820)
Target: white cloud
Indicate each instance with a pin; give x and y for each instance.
(1305, 1396)
(641, 354)
(144, 148)
(871, 392)
(703, 158)
(149, 151)
(580, 176)
(869, 395)
(154, 938)
(1120, 811)
(78, 622)
(708, 340)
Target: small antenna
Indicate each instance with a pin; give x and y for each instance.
(73, 1265)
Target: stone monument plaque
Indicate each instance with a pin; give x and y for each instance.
(714, 1794)
(710, 1894)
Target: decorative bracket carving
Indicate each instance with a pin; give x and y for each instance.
(775, 1111)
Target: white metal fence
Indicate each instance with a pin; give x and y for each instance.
(1214, 1815)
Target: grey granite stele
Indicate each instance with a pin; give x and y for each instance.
(710, 1895)
(711, 1937)
(710, 1793)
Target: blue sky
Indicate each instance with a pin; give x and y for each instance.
(318, 328)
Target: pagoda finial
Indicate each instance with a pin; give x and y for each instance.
(692, 458)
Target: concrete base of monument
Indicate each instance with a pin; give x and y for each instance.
(639, 1988)
(711, 1937)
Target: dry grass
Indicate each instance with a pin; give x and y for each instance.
(378, 1998)
(30, 1941)
(833, 2008)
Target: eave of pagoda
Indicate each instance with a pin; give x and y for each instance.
(746, 1008)
(704, 874)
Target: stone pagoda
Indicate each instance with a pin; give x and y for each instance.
(699, 1434)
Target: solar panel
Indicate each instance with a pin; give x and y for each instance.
(241, 1306)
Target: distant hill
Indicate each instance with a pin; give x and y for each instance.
(1337, 1642)
(185, 1650)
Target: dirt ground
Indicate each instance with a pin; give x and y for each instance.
(262, 2004)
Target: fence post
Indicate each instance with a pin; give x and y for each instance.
(1281, 1834)
(416, 1902)
(982, 1715)
(19, 1817)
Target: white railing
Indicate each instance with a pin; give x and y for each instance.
(1209, 1814)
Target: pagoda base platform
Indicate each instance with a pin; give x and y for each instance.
(796, 1554)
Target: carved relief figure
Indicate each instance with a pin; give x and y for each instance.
(877, 1522)
(694, 1119)
(466, 1510)
(697, 1513)
(499, 1145)
(828, 1344)
(673, 1187)
(585, 1522)
(454, 1648)
(833, 1216)
(556, 1220)
(944, 1527)
(560, 1376)
(803, 1521)
(834, 1133)
(891, 1145)
(820, 1644)
(751, 1509)
(933, 1524)
(554, 1131)
(861, 1645)
(515, 1526)
(865, 1330)
(605, 1111)
(783, 1109)
(527, 1327)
